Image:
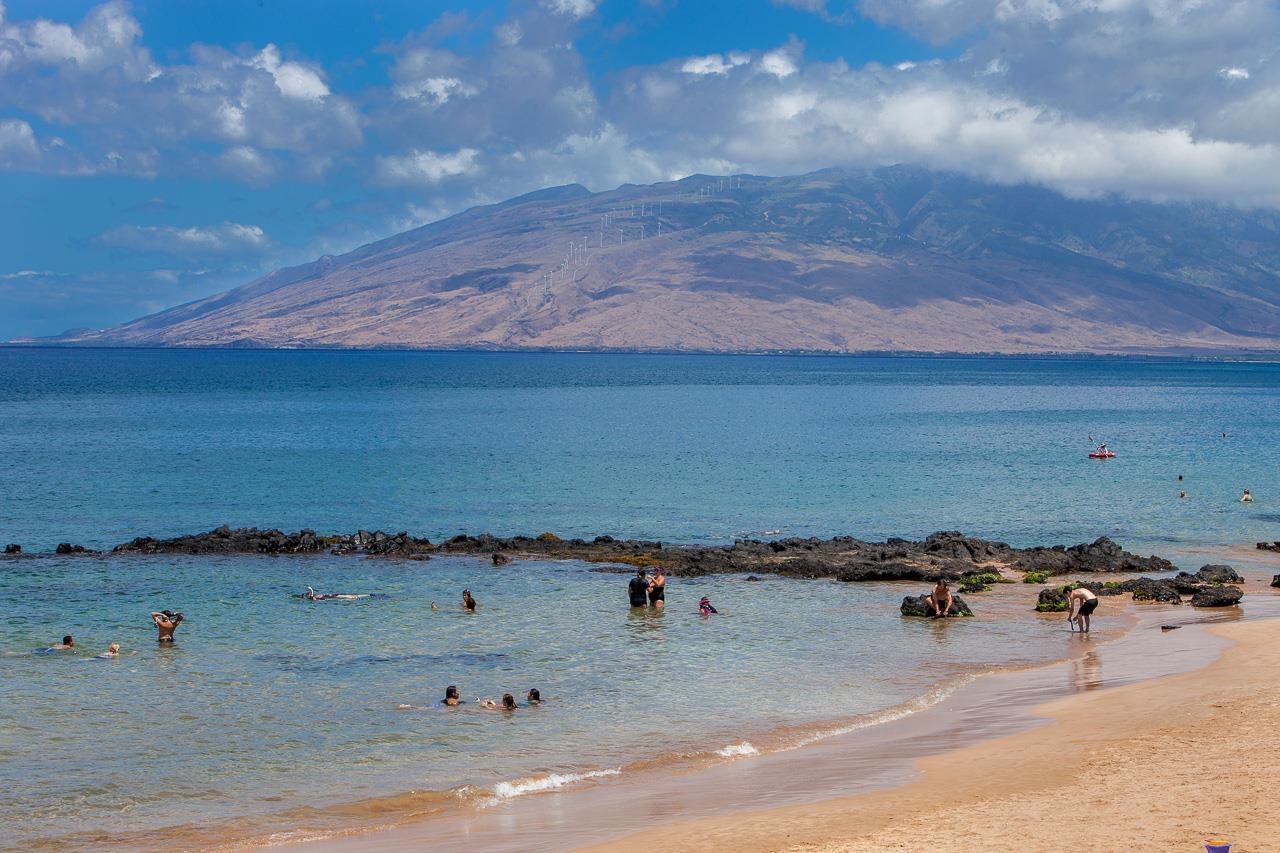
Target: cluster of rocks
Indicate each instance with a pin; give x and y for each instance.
(946, 554)
(1210, 586)
(1269, 546)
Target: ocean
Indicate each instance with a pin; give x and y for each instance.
(272, 712)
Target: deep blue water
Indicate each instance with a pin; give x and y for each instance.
(102, 445)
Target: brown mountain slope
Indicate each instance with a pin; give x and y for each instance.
(898, 259)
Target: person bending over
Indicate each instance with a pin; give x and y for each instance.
(1082, 603)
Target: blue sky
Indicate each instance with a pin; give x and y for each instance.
(155, 152)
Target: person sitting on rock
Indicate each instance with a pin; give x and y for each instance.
(941, 599)
(1081, 602)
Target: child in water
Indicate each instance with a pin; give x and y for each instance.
(705, 608)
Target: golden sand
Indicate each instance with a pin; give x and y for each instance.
(1161, 765)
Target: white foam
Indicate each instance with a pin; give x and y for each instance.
(906, 709)
(744, 748)
(520, 787)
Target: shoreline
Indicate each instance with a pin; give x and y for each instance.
(1204, 769)
(873, 761)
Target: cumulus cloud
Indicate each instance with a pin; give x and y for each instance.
(229, 238)
(426, 167)
(714, 63)
(132, 114)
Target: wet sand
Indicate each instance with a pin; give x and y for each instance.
(1154, 766)
(978, 753)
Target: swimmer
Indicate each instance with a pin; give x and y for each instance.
(166, 623)
(433, 606)
(1182, 493)
(67, 643)
(312, 595)
(704, 606)
(1082, 603)
(508, 703)
(1246, 497)
(451, 695)
(468, 603)
(113, 651)
(533, 696)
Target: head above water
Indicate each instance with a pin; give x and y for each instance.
(451, 692)
(508, 701)
(67, 641)
(113, 648)
(533, 695)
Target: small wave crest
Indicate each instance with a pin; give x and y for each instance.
(736, 749)
(535, 784)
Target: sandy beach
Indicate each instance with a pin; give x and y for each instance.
(1159, 765)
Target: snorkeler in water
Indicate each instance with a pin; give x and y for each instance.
(312, 595)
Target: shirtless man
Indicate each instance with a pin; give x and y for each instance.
(941, 599)
(1082, 603)
(166, 623)
(68, 642)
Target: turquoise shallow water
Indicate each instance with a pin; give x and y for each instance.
(269, 704)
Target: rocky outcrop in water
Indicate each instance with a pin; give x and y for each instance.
(918, 605)
(946, 554)
(1269, 546)
(68, 548)
(13, 548)
(1217, 596)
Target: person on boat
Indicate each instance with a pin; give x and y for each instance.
(1082, 603)
(941, 599)
(1246, 497)
(704, 606)
(658, 589)
(166, 623)
(468, 603)
(638, 589)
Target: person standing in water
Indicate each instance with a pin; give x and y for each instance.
(166, 623)
(468, 603)
(658, 589)
(1082, 603)
(1247, 497)
(638, 589)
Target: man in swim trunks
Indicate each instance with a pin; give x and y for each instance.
(941, 599)
(166, 623)
(1082, 603)
(638, 589)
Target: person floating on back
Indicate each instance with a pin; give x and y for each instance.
(941, 599)
(704, 606)
(166, 623)
(1082, 603)
(638, 589)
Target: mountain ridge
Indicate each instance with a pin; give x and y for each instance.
(897, 259)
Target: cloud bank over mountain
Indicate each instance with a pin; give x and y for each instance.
(372, 132)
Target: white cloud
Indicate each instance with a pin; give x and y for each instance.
(573, 8)
(426, 167)
(435, 90)
(195, 241)
(293, 79)
(1234, 73)
(779, 63)
(714, 63)
(17, 140)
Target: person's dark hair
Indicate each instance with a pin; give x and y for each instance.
(640, 572)
(451, 692)
(534, 695)
(66, 641)
(508, 701)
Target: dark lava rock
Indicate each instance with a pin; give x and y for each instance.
(1217, 596)
(13, 548)
(251, 540)
(918, 605)
(68, 548)
(1269, 546)
(1275, 581)
(1152, 589)
(1102, 555)
(1211, 575)
(752, 578)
